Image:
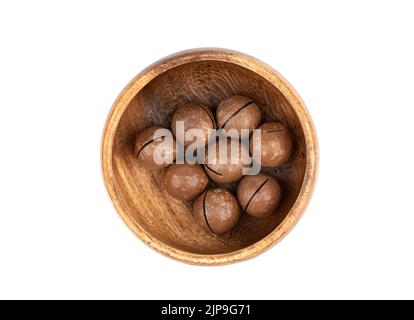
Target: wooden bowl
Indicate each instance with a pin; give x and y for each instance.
(205, 76)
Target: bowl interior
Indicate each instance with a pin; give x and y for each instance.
(141, 193)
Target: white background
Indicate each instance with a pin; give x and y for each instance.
(63, 63)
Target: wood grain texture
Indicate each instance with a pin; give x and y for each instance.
(204, 76)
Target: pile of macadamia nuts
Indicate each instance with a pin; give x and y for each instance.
(215, 207)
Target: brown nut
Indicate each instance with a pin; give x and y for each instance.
(185, 181)
(194, 116)
(275, 144)
(259, 195)
(231, 168)
(146, 145)
(216, 210)
(238, 112)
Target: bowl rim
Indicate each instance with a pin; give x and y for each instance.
(262, 69)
